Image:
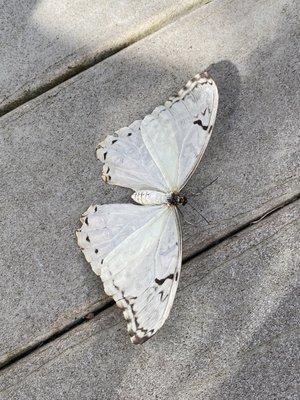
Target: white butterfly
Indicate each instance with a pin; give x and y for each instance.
(137, 250)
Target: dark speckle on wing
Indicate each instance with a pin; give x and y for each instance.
(161, 281)
(199, 122)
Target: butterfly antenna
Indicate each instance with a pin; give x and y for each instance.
(185, 220)
(195, 209)
(201, 190)
(192, 223)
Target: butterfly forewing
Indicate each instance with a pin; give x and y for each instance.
(176, 135)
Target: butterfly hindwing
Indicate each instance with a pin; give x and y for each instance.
(104, 227)
(127, 161)
(138, 258)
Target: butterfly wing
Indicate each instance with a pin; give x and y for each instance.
(176, 135)
(137, 252)
(162, 151)
(127, 162)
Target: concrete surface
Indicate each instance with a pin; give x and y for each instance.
(45, 41)
(232, 333)
(50, 174)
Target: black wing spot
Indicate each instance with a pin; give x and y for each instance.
(101, 262)
(96, 208)
(161, 294)
(143, 330)
(87, 239)
(131, 332)
(176, 276)
(210, 129)
(114, 141)
(161, 281)
(199, 122)
(104, 155)
(96, 251)
(86, 220)
(129, 134)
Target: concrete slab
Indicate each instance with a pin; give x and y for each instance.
(232, 333)
(50, 174)
(44, 42)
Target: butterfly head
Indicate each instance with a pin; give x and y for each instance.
(176, 199)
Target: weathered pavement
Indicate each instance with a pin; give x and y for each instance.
(44, 43)
(232, 333)
(50, 176)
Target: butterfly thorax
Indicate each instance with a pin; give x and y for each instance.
(153, 197)
(176, 199)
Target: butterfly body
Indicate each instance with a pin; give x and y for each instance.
(176, 199)
(136, 249)
(151, 197)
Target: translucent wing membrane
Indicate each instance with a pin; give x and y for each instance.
(127, 161)
(137, 252)
(176, 135)
(162, 151)
(105, 227)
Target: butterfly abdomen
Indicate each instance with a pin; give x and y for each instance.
(150, 197)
